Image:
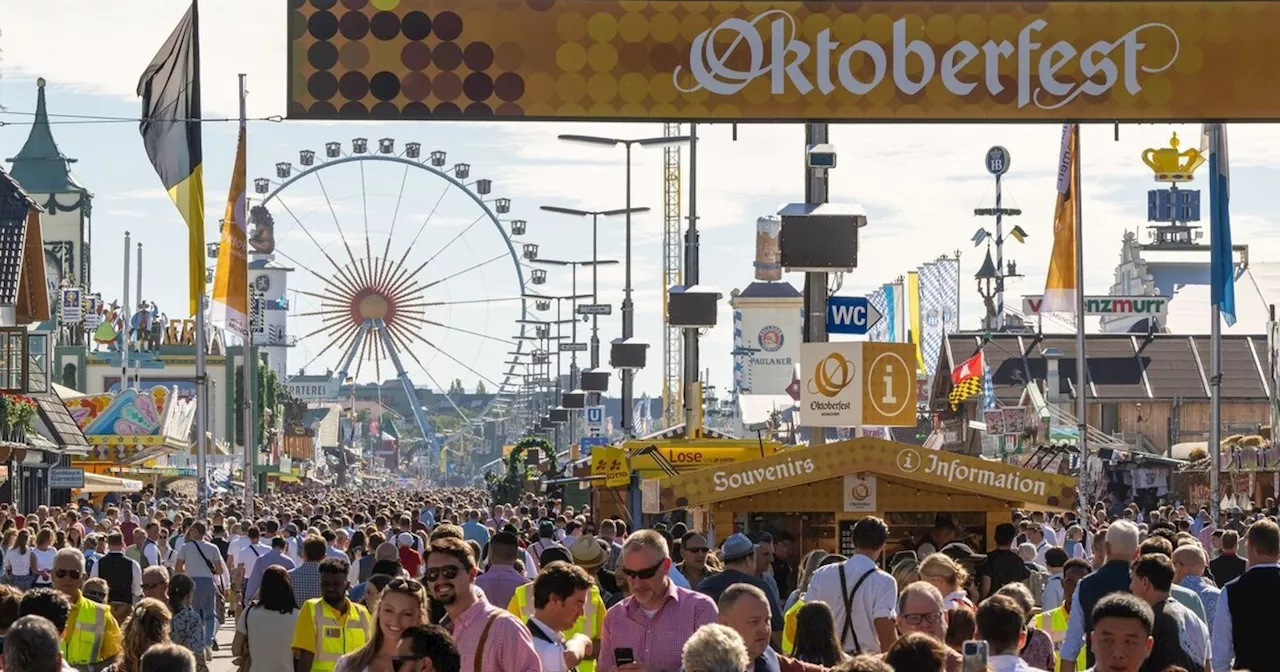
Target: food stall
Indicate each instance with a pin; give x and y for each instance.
(818, 493)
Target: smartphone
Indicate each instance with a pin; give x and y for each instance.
(975, 652)
(624, 656)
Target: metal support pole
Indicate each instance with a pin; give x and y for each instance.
(1215, 410)
(815, 284)
(1082, 382)
(691, 396)
(628, 419)
(124, 322)
(595, 292)
(250, 370)
(999, 256)
(202, 406)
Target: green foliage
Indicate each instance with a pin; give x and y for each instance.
(480, 388)
(456, 387)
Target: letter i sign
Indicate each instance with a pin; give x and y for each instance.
(889, 384)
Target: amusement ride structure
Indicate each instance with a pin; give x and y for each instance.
(396, 281)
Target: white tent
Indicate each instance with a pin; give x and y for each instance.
(99, 483)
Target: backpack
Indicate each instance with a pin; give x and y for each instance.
(1036, 581)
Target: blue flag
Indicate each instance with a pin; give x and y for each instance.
(1222, 270)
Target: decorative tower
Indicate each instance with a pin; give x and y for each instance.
(768, 321)
(45, 172)
(268, 293)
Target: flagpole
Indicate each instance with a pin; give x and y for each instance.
(1217, 196)
(1082, 385)
(124, 320)
(250, 367)
(202, 380)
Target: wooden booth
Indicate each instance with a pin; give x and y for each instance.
(818, 493)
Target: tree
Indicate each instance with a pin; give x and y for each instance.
(456, 387)
(480, 388)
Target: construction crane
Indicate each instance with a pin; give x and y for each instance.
(672, 275)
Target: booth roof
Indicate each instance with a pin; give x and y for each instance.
(898, 460)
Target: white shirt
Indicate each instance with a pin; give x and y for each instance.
(1008, 663)
(248, 555)
(44, 560)
(16, 562)
(530, 567)
(877, 598)
(1043, 546)
(550, 654)
(136, 589)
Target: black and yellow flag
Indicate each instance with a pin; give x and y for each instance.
(170, 92)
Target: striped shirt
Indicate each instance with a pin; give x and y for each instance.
(651, 639)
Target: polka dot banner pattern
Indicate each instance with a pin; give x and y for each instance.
(783, 61)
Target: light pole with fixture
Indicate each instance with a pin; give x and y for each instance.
(595, 216)
(628, 308)
(595, 264)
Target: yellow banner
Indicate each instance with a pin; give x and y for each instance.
(899, 461)
(785, 60)
(611, 463)
(913, 314)
(230, 305)
(1060, 282)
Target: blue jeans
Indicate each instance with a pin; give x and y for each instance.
(205, 604)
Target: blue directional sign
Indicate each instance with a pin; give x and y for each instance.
(586, 443)
(851, 315)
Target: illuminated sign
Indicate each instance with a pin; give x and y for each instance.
(784, 60)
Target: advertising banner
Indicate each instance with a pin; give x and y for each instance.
(855, 384)
(611, 463)
(859, 493)
(784, 60)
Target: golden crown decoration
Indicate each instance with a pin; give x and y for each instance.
(1171, 165)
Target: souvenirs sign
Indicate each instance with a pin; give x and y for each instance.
(784, 60)
(899, 461)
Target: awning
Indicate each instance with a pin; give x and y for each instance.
(803, 466)
(98, 483)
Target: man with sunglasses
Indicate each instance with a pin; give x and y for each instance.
(489, 638)
(694, 550)
(657, 616)
(426, 648)
(91, 640)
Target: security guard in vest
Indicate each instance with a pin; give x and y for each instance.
(92, 639)
(1055, 621)
(329, 626)
(789, 626)
(591, 623)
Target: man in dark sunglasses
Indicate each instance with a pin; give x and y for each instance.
(93, 637)
(426, 648)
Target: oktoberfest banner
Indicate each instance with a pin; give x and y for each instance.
(784, 60)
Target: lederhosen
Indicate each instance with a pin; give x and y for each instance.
(847, 595)
(539, 634)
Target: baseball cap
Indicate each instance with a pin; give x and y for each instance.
(737, 546)
(404, 539)
(961, 551)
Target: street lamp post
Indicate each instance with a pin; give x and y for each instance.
(595, 216)
(595, 264)
(628, 308)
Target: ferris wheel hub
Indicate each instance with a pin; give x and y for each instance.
(371, 304)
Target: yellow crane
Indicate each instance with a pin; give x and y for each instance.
(672, 275)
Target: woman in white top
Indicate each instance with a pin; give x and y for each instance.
(42, 558)
(265, 629)
(949, 578)
(402, 604)
(17, 562)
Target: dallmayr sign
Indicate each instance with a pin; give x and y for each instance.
(696, 59)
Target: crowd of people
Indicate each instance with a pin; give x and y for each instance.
(445, 580)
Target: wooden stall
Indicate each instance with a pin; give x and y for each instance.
(818, 493)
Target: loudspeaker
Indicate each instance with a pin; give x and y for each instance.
(629, 354)
(692, 307)
(595, 381)
(820, 238)
(574, 400)
(559, 415)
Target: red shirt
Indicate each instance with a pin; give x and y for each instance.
(411, 560)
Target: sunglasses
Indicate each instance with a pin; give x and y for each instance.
(96, 597)
(151, 586)
(65, 573)
(643, 573)
(700, 549)
(449, 572)
(398, 661)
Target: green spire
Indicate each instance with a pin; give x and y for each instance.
(41, 168)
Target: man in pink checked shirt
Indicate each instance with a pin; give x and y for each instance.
(489, 639)
(653, 623)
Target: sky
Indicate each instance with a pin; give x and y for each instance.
(918, 184)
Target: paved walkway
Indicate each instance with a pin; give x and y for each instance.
(222, 657)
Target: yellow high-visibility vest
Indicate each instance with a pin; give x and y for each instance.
(789, 626)
(1054, 622)
(588, 624)
(83, 644)
(335, 639)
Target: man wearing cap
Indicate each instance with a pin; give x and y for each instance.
(590, 555)
(410, 559)
(739, 555)
(501, 579)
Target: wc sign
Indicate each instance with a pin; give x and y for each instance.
(595, 420)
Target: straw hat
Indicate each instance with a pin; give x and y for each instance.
(587, 552)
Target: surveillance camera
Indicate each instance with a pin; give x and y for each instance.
(822, 156)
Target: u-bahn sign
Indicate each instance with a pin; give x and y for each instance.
(784, 60)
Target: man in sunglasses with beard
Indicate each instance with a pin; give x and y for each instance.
(489, 638)
(91, 640)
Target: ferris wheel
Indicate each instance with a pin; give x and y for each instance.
(407, 266)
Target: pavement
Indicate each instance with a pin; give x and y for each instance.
(222, 657)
